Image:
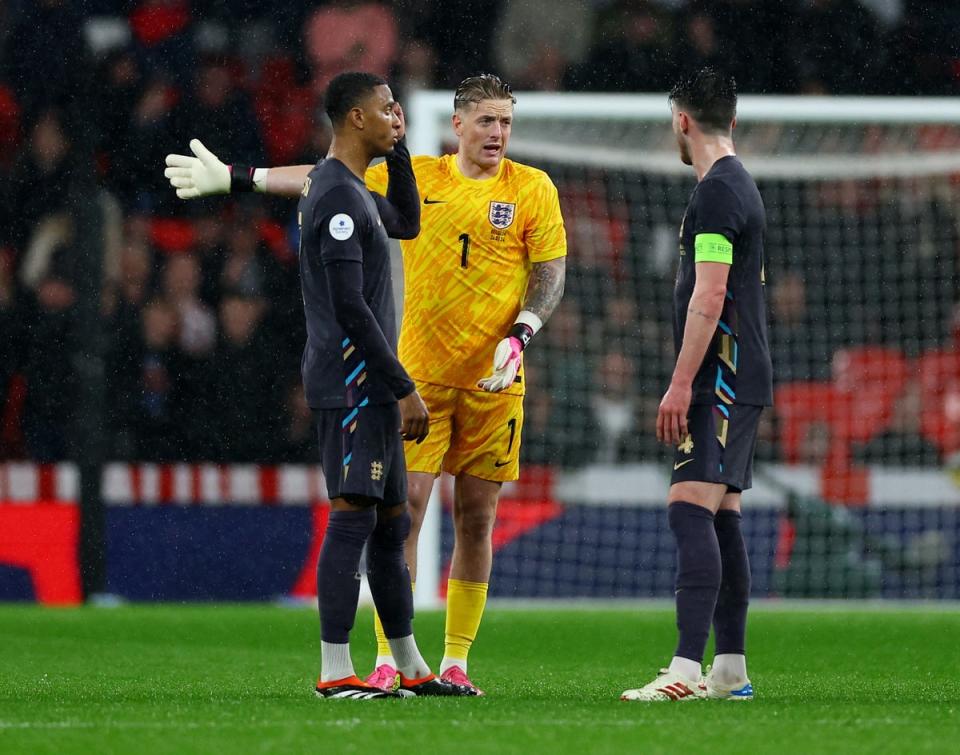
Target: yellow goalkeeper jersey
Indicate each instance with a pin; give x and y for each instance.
(466, 274)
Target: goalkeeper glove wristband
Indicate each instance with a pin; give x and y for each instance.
(244, 178)
(241, 178)
(525, 327)
(506, 359)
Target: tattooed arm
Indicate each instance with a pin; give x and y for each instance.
(543, 293)
(546, 287)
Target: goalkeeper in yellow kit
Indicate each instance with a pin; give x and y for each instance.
(485, 273)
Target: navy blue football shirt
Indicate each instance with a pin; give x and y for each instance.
(725, 221)
(350, 356)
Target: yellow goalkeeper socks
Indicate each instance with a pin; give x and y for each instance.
(384, 653)
(465, 604)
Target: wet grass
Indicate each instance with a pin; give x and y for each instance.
(183, 679)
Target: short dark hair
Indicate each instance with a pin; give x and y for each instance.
(485, 86)
(710, 96)
(347, 90)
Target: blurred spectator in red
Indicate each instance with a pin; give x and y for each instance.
(162, 34)
(350, 35)
(284, 109)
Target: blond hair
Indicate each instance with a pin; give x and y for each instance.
(486, 86)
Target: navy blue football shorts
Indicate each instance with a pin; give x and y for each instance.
(362, 454)
(719, 446)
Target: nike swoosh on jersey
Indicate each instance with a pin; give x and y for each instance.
(427, 200)
(680, 464)
(500, 463)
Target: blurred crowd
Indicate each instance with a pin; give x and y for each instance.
(201, 302)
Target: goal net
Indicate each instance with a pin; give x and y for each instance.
(857, 483)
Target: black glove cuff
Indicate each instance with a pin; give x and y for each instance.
(241, 179)
(522, 332)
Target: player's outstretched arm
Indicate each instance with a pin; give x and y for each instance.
(543, 294)
(204, 175)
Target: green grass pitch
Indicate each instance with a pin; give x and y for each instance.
(238, 679)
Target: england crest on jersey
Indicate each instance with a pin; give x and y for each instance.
(501, 214)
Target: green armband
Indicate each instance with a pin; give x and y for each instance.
(712, 247)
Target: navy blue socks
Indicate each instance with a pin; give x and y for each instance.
(338, 575)
(698, 575)
(730, 615)
(388, 575)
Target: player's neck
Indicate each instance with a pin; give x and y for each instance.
(470, 169)
(351, 154)
(708, 152)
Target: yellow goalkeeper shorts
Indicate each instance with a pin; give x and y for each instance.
(470, 431)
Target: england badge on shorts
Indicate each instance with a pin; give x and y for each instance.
(501, 214)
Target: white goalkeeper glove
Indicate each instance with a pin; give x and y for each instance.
(202, 175)
(506, 359)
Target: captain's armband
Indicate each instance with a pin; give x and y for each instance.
(712, 247)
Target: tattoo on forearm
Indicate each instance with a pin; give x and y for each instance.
(545, 288)
(704, 315)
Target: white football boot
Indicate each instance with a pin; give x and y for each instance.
(669, 686)
(717, 688)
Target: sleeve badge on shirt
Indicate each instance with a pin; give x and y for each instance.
(501, 214)
(341, 226)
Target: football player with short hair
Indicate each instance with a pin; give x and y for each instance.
(483, 276)
(720, 384)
